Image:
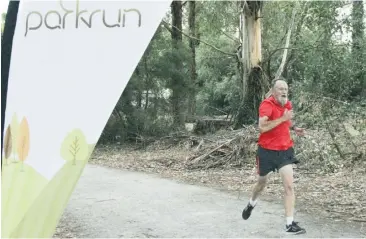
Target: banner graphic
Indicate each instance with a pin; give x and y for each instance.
(70, 63)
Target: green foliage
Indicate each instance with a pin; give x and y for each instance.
(218, 77)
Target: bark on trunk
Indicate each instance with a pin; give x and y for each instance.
(358, 43)
(147, 83)
(253, 80)
(176, 98)
(193, 43)
(139, 90)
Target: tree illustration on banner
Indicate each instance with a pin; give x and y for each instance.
(23, 141)
(75, 146)
(14, 133)
(7, 144)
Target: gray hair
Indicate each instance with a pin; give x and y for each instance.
(274, 81)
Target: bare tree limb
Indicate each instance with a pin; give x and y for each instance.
(217, 109)
(235, 40)
(296, 48)
(306, 7)
(166, 25)
(332, 135)
(284, 56)
(269, 73)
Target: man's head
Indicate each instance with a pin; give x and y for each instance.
(280, 91)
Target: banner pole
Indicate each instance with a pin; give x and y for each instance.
(6, 49)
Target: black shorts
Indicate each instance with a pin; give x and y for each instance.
(271, 160)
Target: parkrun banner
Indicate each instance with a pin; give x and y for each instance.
(70, 63)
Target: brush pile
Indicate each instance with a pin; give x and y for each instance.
(226, 150)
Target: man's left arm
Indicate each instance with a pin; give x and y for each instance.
(292, 125)
(299, 131)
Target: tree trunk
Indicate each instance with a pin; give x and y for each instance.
(252, 77)
(139, 91)
(358, 52)
(193, 43)
(127, 108)
(147, 83)
(176, 98)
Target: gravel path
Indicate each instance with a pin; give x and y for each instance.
(114, 203)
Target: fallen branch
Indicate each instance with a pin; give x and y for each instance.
(358, 220)
(213, 150)
(332, 135)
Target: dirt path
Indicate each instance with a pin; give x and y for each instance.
(115, 203)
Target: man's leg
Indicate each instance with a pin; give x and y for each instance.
(258, 188)
(264, 166)
(286, 173)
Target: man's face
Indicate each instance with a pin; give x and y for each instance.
(280, 92)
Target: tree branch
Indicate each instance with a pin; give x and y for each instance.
(306, 7)
(235, 40)
(208, 44)
(269, 73)
(296, 48)
(167, 27)
(284, 56)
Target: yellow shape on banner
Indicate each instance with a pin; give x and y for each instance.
(50, 204)
(29, 200)
(37, 199)
(20, 187)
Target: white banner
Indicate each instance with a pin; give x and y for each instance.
(70, 63)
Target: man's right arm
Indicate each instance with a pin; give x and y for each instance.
(266, 125)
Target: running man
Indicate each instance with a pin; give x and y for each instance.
(275, 150)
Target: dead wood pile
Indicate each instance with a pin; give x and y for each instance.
(229, 149)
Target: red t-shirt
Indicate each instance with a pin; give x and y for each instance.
(279, 137)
